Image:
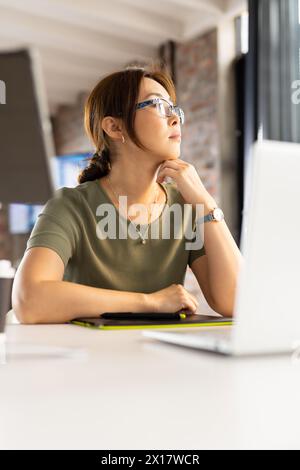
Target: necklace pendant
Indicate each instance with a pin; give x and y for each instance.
(144, 242)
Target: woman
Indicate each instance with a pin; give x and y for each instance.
(71, 268)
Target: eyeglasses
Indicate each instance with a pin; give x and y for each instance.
(164, 108)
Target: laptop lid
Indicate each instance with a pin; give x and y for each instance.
(267, 304)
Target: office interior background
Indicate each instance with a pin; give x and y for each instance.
(233, 71)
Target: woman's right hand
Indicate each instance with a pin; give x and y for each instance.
(172, 299)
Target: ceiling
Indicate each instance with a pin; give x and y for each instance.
(81, 40)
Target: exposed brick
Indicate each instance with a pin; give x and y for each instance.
(197, 94)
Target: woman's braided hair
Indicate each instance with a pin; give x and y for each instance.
(99, 165)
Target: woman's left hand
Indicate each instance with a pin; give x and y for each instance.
(187, 179)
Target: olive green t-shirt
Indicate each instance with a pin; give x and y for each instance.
(70, 225)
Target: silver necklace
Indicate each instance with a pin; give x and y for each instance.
(135, 226)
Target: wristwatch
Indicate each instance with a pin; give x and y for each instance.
(215, 215)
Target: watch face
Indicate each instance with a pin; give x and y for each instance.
(218, 214)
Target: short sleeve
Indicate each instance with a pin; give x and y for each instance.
(57, 226)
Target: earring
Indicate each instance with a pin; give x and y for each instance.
(123, 140)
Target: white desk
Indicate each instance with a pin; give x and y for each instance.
(131, 392)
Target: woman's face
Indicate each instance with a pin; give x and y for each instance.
(151, 128)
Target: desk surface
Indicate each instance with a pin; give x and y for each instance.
(131, 392)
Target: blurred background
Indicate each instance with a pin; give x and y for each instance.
(235, 65)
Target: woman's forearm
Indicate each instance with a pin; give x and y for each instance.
(62, 301)
(224, 261)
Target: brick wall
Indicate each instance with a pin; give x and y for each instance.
(197, 94)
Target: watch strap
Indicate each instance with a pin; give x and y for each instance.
(207, 218)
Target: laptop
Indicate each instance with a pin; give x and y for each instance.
(266, 310)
